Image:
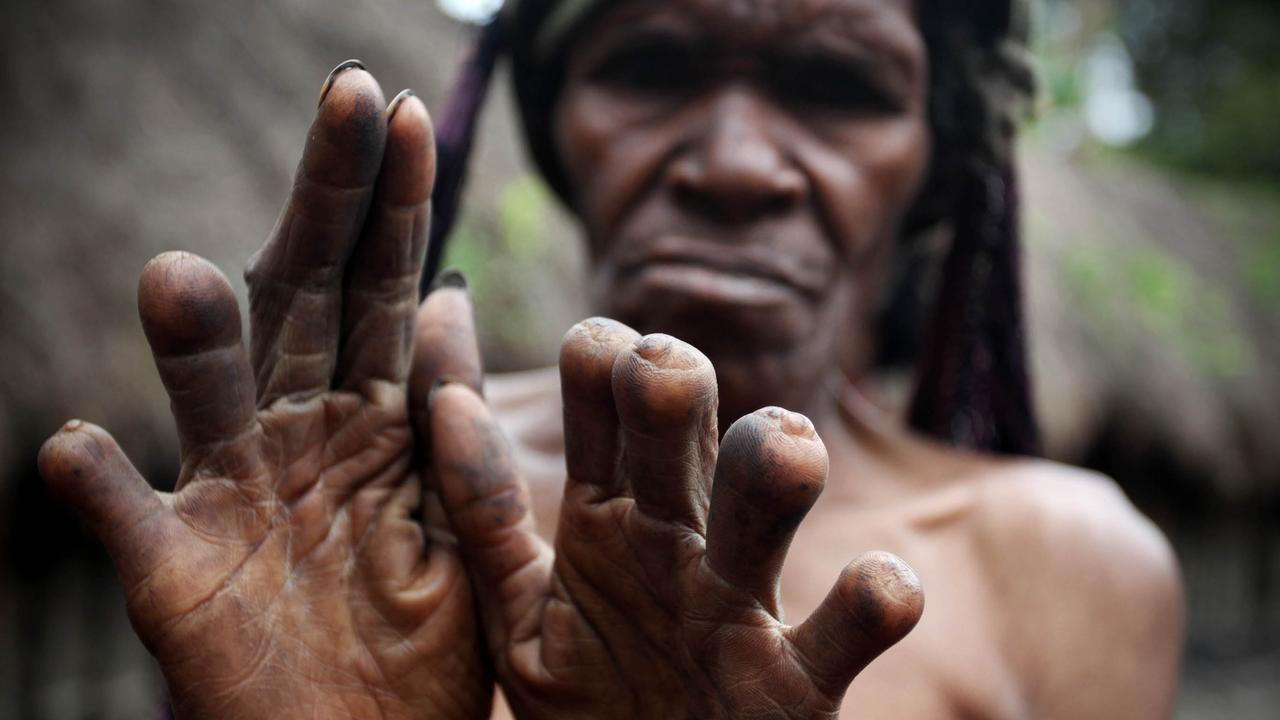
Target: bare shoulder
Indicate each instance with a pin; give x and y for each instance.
(1046, 518)
(1093, 586)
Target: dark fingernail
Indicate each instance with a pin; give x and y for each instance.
(395, 102)
(449, 278)
(435, 387)
(334, 73)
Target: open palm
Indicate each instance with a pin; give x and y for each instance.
(288, 574)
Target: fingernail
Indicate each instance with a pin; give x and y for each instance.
(334, 73)
(435, 387)
(72, 425)
(395, 102)
(449, 278)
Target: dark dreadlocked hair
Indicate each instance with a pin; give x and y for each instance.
(973, 386)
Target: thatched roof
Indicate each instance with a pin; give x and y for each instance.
(1155, 304)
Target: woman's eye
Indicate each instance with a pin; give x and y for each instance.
(833, 87)
(651, 68)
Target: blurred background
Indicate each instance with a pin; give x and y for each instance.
(1153, 241)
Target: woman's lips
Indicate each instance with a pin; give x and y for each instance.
(712, 285)
(717, 271)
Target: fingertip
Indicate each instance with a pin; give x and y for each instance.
(666, 353)
(791, 424)
(662, 382)
(451, 278)
(64, 457)
(409, 118)
(444, 340)
(350, 89)
(51, 459)
(596, 333)
(338, 69)
(590, 349)
(349, 132)
(409, 167)
(448, 299)
(186, 305)
(780, 461)
(449, 397)
(885, 595)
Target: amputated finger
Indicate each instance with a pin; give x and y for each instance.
(381, 295)
(86, 469)
(587, 357)
(771, 469)
(875, 603)
(296, 280)
(665, 392)
(192, 321)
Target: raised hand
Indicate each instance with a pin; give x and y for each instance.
(287, 575)
(660, 598)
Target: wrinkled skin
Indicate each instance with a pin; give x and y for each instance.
(741, 170)
(660, 595)
(748, 215)
(286, 576)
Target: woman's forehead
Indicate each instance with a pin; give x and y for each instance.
(771, 23)
(767, 16)
(883, 30)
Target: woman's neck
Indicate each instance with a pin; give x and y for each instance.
(875, 458)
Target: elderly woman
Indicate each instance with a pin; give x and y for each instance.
(353, 535)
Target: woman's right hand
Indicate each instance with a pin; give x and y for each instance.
(289, 574)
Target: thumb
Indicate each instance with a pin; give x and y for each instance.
(444, 349)
(85, 467)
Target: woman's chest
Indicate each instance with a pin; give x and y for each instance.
(952, 665)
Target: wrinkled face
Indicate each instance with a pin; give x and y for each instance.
(741, 167)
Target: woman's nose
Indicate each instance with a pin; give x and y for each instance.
(733, 167)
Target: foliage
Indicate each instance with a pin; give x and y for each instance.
(1211, 68)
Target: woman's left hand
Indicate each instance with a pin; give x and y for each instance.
(660, 598)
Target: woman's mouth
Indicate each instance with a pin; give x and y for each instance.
(716, 272)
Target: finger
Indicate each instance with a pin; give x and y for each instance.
(85, 468)
(487, 503)
(771, 469)
(665, 391)
(192, 321)
(381, 295)
(444, 348)
(296, 279)
(587, 357)
(874, 604)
